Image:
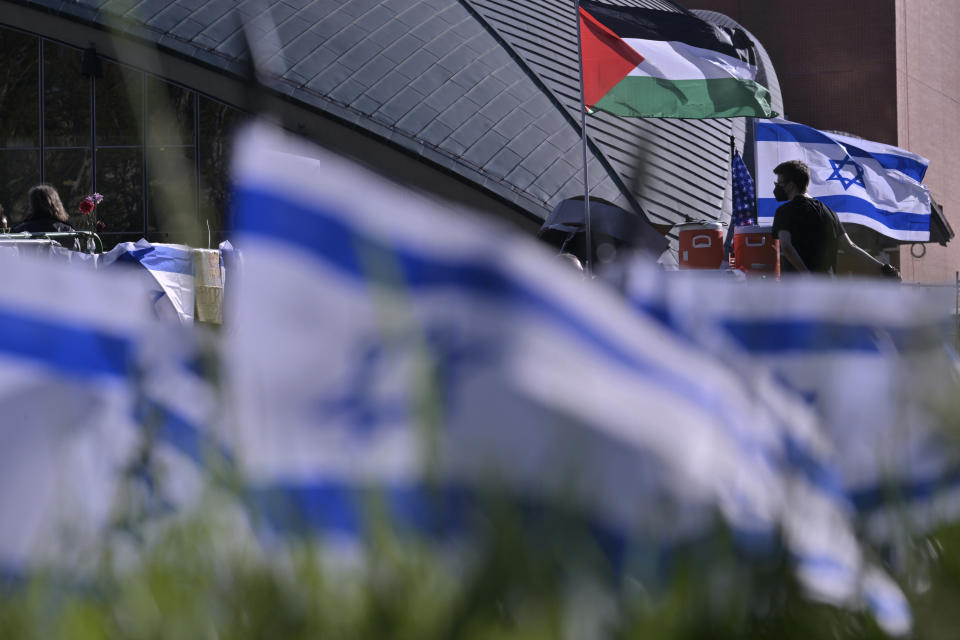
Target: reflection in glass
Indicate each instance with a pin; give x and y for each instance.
(148, 132)
(68, 170)
(171, 191)
(169, 114)
(120, 181)
(160, 236)
(119, 105)
(66, 96)
(218, 123)
(19, 90)
(19, 170)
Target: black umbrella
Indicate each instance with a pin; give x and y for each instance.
(609, 225)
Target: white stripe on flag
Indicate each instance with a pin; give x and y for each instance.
(680, 61)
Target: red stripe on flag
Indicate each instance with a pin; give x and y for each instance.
(606, 58)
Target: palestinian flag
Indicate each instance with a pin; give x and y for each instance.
(648, 63)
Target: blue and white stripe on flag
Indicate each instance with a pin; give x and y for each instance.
(367, 316)
(68, 352)
(171, 275)
(865, 183)
(874, 362)
(89, 377)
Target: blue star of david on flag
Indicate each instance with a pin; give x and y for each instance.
(366, 403)
(845, 181)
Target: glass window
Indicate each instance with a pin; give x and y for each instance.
(120, 180)
(171, 162)
(19, 170)
(171, 192)
(110, 240)
(120, 159)
(68, 170)
(151, 140)
(19, 90)
(66, 96)
(218, 123)
(119, 98)
(170, 112)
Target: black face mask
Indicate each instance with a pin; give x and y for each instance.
(779, 193)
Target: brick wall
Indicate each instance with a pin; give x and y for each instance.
(930, 119)
(836, 61)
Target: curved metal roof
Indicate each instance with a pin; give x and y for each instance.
(486, 89)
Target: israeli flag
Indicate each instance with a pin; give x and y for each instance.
(68, 355)
(107, 416)
(385, 341)
(874, 361)
(866, 183)
(168, 274)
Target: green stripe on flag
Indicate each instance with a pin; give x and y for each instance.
(646, 97)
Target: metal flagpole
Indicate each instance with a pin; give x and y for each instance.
(588, 240)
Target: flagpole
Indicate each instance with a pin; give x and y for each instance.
(752, 131)
(588, 240)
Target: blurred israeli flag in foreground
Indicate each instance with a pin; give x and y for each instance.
(67, 364)
(385, 341)
(100, 399)
(873, 360)
(866, 183)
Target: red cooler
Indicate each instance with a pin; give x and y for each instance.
(756, 251)
(701, 245)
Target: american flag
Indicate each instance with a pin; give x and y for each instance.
(744, 203)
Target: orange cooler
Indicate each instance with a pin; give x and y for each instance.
(701, 245)
(756, 251)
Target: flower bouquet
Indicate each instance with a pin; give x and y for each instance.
(88, 217)
(88, 213)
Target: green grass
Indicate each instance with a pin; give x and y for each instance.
(518, 578)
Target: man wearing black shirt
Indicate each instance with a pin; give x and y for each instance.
(809, 231)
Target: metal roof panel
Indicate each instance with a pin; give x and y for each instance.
(488, 89)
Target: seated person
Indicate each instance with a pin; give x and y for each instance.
(46, 212)
(47, 215)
